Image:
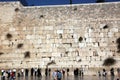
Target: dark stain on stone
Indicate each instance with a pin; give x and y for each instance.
(95, 53)
(68, 44)
(100, 58)
(20, 45)
(60, 35)
(43, 57)
(75, 9)
(9, 36)
(72, 36)
(50, 63)
(66, 52)
(118, 45)
(21, 62)
(98, 44)
(27, 54)
(12, 43)
(92, 28)
(112, 41)
(49, 57)
(3, 61)
(9, 45)
(15, 39)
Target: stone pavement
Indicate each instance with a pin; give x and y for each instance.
(67, 78)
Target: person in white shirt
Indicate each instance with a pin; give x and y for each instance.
(4, 75)
(54, 75)
(14, 70)
(2, 71)
(22, 72)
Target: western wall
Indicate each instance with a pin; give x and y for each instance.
(62, 36)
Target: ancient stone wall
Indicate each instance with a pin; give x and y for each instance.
(68, 36)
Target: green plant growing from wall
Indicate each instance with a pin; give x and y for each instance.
(16, 9)
(41, 16)
(105, 27)
(118, 47)
(20, 45)
(80, 39)
(118, 41)
(27, 54)
(1, 53)
(109, 61)
(50, 63)
(8, 36)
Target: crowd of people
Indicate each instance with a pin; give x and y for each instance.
(57, 74)
(112, 73)
(11, 74)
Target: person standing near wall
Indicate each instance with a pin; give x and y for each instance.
(35, 71)
(2, 71)
(67, 71)
(54, 75)
(104, 74)
(46, 71)
(4, 75)
(118, 72)
(112, 73)
(63, 72)
(14, 71)
(26, 72)
(59, 75)
(22, 72)
(32, 71)
(49, 71)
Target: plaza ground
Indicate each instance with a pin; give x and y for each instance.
(67, 78)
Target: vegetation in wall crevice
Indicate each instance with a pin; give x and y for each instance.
(16, 9)
(1, 53)
(80, 39)
(20, 45)
(109, 61)
(8, 36)
(27, 54)
(105, 27)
